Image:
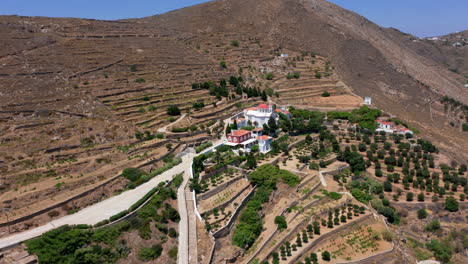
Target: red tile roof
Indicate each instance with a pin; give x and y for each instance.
(239, 133)
(385, 122)
(263, 137)
(263, 106)
(251, 109)
(258, 129)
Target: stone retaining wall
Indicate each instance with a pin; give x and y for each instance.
(370, 258)
(224, 231)
(229, 201)
(160, 158)
(218, 189)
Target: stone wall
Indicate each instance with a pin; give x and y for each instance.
(220, 188)
(224, 231)
(160, 158)
(227, 202)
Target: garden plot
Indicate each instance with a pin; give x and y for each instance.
(220, 178)
(354, 243)
(311, 232)
(220, 217)
(222, 197)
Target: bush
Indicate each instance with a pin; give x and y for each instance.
(172, 232)
(173, 252)
(318, 75)
(223, 64)
(140, 80)
(325, 94)
(442, 251)
(235, 43)
(133, 174)
(270, 76)
(326, 256)
(433, 225)
(451, 204)
(281, 222)
(173, 110)
(388, 235)
(422, 213)
(147, 254)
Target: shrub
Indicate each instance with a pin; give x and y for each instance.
(173, 110)
(269, 76)
(422, 213)
(133, 174)
(451, 204)
(172, 232)
(388, 235)
(235, 43)
(433, 225)
(173, 252)
(442, 251)
(223, 64)
(326, 256)
(325, 94)
(281, 222)
(147, 254)
(140, 80)
(318, 75)
(409, 197)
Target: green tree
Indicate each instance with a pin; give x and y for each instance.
(442, 251)
(173, 110)
(451, 204)
(326, 256)
(147, 254)
(422, 213)
(251, 161)
(223, 64)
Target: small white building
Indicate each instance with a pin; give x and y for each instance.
(284, 55)
(367, 100)
(404, 131)
(264, 143)
(385, 126)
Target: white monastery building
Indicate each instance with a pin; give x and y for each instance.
(260, 115)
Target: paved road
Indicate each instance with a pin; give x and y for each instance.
(102, 210)
(183, 224)
(164, 128)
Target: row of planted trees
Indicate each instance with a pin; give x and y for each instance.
(335, 218)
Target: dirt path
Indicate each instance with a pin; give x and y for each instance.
(164, 128)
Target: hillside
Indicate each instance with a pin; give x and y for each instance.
(81, 100)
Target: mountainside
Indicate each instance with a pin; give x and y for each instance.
(401, 74)
(92, 109)
(74, 92)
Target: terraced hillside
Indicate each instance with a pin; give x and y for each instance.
(83, 99)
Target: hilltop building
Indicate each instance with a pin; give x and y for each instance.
(258, 116)
(367, 100)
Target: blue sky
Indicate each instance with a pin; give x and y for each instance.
(419, 17)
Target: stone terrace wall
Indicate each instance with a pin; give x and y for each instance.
(229, 201)
(224, 231)
(218, 189)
